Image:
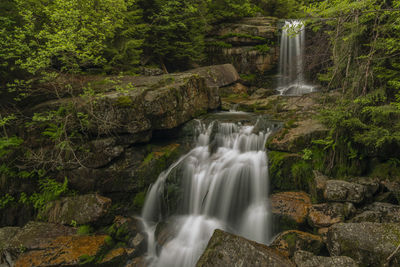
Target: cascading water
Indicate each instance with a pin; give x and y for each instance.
(224, 184)
(291, 63)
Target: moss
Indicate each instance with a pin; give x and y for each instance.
(263, 49)
(138, 201)
(84, 230)
(219, 44)
(124, 101)
(302, 173)
(86, 259)
(280, 173)
(242, 35)
(248, 77)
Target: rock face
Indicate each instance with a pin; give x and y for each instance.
(289, 242)
(226, 249)
(380, 213)
(33, 236)
(297, 138)
(370, 244)
(327, 214)
(290, 206)
(63, 251)
(249, 44)
(307, 259)
(342, 191)
(82, 209)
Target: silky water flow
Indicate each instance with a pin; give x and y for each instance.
(291, 62)
(224, 184)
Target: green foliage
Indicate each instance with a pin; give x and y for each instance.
(280, 8)
(177, 32)
(85, 230)
(49, 190)
(6, 200)
(225, 10)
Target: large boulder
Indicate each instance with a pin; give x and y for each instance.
(290, 208)
(307, 259)
(296, 137)
(343, 191)
(370, 244)
(327, 214)
(380, 213)
(33, 236)
(225, 249)
(289, 242)
(82, 209)
(64, 251)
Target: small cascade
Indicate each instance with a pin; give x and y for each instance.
(224, 185)
(291, 63)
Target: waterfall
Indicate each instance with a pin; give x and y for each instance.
(291, 63)
(224, 184)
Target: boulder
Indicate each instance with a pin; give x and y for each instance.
(117, 257)
(319, 185)
(225, 249)
(307, 259)
(380, 213)
(297, 137)
(342, 191)
(82, 209)
(289, 242)
(327, 214)
(34, 235)
(263, 93)
(370, 244)
(371, 185)
(290, 208)
(236, 89)
(64, 251)
(393, 188)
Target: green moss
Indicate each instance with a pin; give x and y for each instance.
(280, 173)
(248, 77)
(84, 230)
(302, 173)
(242, 35)
(139, 199)
(86, 259)
(263, 49)
(124, 101)
(219, 44)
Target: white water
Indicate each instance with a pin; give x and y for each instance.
(227, 189)
(291, 63)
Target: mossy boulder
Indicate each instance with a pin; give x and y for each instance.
(289, 242)
(225, 249)
(287, 171)
(290, 209)
(326, 214)
(307, 259)
(80, 210)
(379, 212)
(369, 244)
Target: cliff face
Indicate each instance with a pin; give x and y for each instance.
(249, 44)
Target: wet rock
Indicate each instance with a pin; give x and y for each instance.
(319, 185)
(34, 235)
(226, 249)
(307, 259)
(63, 251)
(371, 185)
(289, 242)
(370, 244)
(290, 207)
(101, 152)
(342, 191)
(263, 93)
(295, 139)
(236, 89)
(137, 262)
(380, 213)
(82, 209)
(393, 187)
(165, 231)
(117, 257)
(327, 214)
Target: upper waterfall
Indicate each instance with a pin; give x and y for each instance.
(291, 63)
